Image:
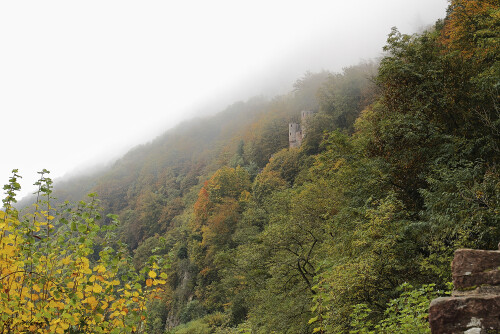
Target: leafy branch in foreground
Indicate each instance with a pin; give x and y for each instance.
(50, 280)
(406, 314)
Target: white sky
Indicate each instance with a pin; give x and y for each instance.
(83, 81)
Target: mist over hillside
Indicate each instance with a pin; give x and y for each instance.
(92, 92)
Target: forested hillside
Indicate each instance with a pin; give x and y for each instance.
(354, 231)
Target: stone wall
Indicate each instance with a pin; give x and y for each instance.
(474, 307)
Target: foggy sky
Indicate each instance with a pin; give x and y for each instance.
(82, 82)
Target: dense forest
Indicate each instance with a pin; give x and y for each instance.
(352, 232)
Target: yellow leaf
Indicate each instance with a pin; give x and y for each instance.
(97, 288)
(9, 250)
(100, 269)
(92, 301)
(152, 274)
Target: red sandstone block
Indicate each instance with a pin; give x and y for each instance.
(470, 314)
(472, 268)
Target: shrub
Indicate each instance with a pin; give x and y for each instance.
(49, 283)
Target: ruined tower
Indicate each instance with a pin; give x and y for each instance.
(296, 131)
(304, 115)
(294, 135)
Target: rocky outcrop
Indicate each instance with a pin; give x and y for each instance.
(474, 307)
(474, 268)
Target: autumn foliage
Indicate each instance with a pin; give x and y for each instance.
(51, 282)
(472, 27)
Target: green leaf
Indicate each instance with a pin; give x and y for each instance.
(312, 320)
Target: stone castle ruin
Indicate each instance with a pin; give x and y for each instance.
(296, 131)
